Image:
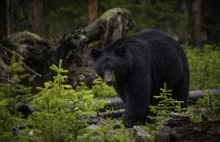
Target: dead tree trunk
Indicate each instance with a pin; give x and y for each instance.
(12, 10)
(112, 25)
(35, 16)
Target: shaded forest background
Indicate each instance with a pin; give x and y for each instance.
(194, 21)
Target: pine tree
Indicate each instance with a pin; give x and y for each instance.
(62, 110)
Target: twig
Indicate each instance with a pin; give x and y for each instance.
(10, 81)
(11, 51)
(31, 70)
(24, 66)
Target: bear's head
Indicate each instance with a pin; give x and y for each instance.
(109, 63)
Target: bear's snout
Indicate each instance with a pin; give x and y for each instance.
(109, 77)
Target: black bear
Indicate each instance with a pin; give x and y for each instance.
(138, 66)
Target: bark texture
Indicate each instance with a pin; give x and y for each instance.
(12, 10)
(35, 16)
(93, 10)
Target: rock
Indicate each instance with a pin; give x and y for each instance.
(93, 127)
(139, 134)
(176, 119)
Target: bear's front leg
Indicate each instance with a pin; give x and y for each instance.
(120, 91)
(136, 108)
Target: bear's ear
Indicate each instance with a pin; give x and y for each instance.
(95, 53)
(121, 50)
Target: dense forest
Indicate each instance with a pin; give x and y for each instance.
(195, 21)
(49, 90)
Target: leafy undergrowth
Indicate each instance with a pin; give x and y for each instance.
(60, 115)
(207, 108)
(105, 132)
(102, 90)
(12, 95)
(204, 67)
(62, 110)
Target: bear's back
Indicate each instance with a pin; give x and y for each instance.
(160, 44)
(167, 54)
(156, 38)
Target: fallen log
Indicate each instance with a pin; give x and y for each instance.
(193, 97)
(117, 104)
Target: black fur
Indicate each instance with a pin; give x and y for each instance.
(142, 63)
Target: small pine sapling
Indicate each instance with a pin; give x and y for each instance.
(165, 106)
(61, 109)
(12, 95)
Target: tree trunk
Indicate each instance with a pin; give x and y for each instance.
(3, 17)
(196, 23)
(12, 10)
(35, 16)
(93, 10)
